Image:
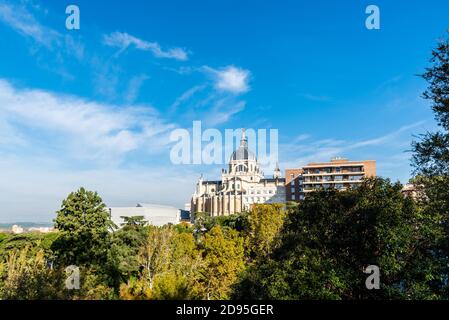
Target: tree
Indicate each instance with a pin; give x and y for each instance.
(431, 164)
(185, 256)
(93, 286)
(33, 241)
(153, 258)
(83, 224)
(263, 225)
(170, 286)
(328, 241)
(223, 260)
(431, 154)
(134, 222)
(25, 275)
(123, 262)
(155, 254)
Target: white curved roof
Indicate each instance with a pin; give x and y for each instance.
(157, 215)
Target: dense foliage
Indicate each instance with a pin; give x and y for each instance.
(331, 237)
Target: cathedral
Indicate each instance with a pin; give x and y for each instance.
(242, 185)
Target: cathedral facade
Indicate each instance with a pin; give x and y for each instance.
(242, 184)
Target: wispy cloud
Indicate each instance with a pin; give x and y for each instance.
(22, 21)
(323, 150)
(222, 111)
(301, 137)
(185, 96)
(317, 98)
(134, 87)
(80, 127)
(223, 99)
(21, 18)
(123, 41)
(387, 84)
(385, 138)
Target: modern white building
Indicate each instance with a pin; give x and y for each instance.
(157, 215)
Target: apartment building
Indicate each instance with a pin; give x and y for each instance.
(294, 184)
(339, 173)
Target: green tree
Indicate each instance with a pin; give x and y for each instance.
(123, 262)
(93, 286)
(332, 236)
(431, 153)
(155, 254)
(223, 260)
(25, 275)
(431, 163)
(83, 224)
(185, 256)
(134, 222)
(170, 286)
(263, 225)
(34, 241)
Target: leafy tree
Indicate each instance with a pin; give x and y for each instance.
(203, 223)
(93, 286)
(185, 256)
(155, 254)
(134, 222)
(32, 240)
(431, 163)
(25, 275)
(238, 221)
(332, 236)
(83, 224)
(170, 286)
(263, 224)
(183, 227)
(168, 264)
(431, 153)
(123, 262)
(135, 289)
(223, 260)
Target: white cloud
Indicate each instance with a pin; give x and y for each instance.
(33, 189)
(386, 138)
(222, 111)
(91, 129)
(123, 41)
(222, 103)
(134, 87)
(185, 96)
(18, 18)
(230, 79)
(52, 144)
(397, 142)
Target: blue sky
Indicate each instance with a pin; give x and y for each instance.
(94, 107)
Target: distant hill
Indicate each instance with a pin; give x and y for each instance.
(26, 225)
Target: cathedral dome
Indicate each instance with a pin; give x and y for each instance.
(243, 153)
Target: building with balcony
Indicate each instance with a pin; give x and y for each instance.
(339, 173)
